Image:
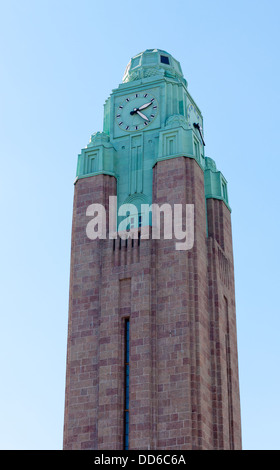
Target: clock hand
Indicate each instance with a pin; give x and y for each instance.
(142, 115)
(145, 105)
(197, 126)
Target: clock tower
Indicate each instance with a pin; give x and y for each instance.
(152, 349)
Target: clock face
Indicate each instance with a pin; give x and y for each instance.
(136, 112)
(193, 115)
(195, 121)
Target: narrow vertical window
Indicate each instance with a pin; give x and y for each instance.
(171, 151)
(229, 382)
(224, 191)
(196, 150)
(126, 386)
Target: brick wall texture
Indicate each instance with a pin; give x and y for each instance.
(184, 387)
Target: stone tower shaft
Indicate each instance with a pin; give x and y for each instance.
(152, 358)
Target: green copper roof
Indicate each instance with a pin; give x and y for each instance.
(153, 62)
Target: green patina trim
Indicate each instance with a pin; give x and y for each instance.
(215, 183)
(96, 173)
(185, 155)
(213, 196)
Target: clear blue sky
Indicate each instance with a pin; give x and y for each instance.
(59, 62)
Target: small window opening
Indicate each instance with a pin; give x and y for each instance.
(164, 59)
